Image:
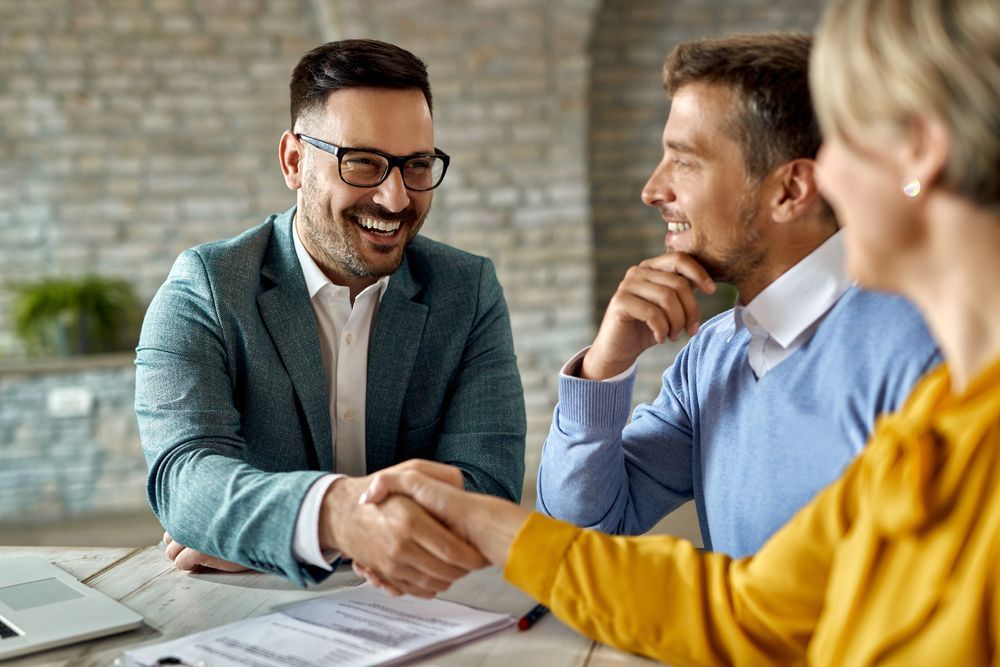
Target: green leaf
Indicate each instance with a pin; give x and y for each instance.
(72, 316)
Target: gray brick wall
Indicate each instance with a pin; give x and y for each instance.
(60, 459)
(132, 129)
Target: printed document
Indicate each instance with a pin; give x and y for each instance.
(359, 626)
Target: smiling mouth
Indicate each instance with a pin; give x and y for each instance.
(385, 227)
(678, 227)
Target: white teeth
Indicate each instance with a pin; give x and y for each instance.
(678, 226)
(379, 225)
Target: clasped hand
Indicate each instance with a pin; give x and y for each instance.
(395, 543)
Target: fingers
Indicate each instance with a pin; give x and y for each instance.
(681, 274)
(374, 579)
(661, 311)
(442, 554)
(654, 302)
(406, 548)
(410, 550)
(411, 581)
(406, 580)
(377, 491)
(188, 560)
(664, 301)
(446, 541)
(173, 550)
(440, 471)
(362, 571)
(684, 265)
(443, 473)
(213, 563)
(677, 300)
(427, 492)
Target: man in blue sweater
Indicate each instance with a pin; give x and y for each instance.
(770, 401)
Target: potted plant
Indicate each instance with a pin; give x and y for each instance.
(75, 316)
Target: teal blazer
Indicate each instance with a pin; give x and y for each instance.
(232, 398)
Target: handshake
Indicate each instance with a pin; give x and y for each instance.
(410, 529)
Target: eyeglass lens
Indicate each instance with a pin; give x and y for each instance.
(367, 169)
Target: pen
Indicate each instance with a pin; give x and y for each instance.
(529, 619)
(125, 661)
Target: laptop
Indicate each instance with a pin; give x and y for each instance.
(42, 607)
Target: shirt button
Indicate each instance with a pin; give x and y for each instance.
(749, 320)
(348, 338)
(349, 415)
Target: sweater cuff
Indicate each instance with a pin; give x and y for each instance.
(537, 554)
(595, 403)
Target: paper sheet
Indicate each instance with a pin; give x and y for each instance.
(359, 626)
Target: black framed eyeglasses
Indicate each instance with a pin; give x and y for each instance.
(367, 168)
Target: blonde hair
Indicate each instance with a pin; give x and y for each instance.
(877, 64)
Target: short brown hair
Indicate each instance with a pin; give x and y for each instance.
(770, 72)
(354, 63)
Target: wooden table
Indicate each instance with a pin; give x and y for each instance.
(176, 603)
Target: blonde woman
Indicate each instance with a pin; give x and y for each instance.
(898, 562)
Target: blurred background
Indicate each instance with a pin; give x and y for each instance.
(133, 129)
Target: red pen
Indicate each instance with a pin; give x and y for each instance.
(529, 619)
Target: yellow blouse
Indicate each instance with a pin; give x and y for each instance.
(896, 563)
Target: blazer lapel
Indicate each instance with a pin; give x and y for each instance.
(392, 352)
(287, 313)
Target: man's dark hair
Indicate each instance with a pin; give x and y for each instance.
(770, 72)
(354, 63)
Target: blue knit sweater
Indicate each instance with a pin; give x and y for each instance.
(749, 452)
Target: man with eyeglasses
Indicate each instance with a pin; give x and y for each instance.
(279, 370)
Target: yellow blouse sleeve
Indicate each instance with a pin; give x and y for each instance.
(994, 626)
(660, 597)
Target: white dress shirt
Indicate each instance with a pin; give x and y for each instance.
(786, 313)
(344, 332)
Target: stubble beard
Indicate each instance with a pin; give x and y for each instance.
(336, 237)
(738, 265)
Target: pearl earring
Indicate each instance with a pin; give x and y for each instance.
(911, 187)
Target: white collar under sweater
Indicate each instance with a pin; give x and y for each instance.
(785, 314)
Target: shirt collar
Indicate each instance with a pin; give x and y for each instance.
(801, 295)
(315, 278)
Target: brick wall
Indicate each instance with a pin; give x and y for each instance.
(132, 129)
(68, 440)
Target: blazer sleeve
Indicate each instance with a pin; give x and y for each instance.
(198, 486)
(483, 426)
(684, 606)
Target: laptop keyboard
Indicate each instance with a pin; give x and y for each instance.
(7, 632)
